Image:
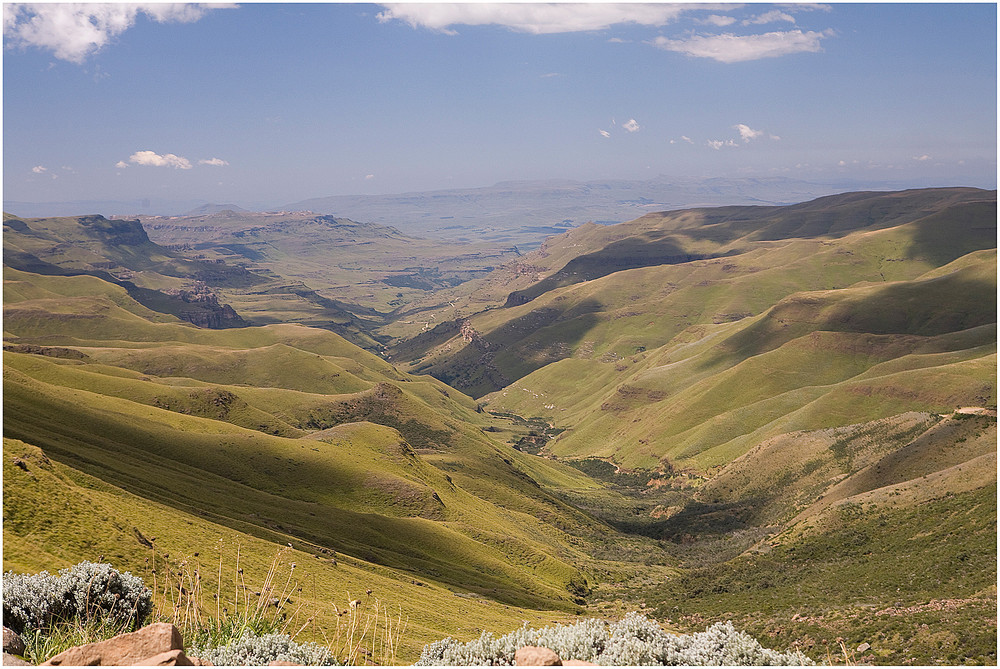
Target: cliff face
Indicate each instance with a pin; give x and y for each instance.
(215, 317)
(114, 232)
(201, 307)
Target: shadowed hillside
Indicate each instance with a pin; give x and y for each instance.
(738, 267)
(780, 416)
(286, 431)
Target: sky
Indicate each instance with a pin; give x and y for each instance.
(266, 104)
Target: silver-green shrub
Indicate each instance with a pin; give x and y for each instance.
(250, 650)
(633, 641)
(84, 591)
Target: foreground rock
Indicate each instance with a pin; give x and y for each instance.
(156, 645)
(12, 642)
(14, 661)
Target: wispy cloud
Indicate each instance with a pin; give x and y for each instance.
(772, 16)
(42, 170)
(922, 158)
(631, 125)
(604, 133)
(73, 31)
(729, 48)
(716, 20)
(533, 18)
(747, 133)
(214, 162)
(719, 143)
(152, 159)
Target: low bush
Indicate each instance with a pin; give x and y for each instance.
(86, 591)
(633, 641)
(251, 650)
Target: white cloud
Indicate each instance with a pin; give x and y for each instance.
(604, 133)
(748, 133)
(151, 159)
(369, 176)
(41, 169)
(719, 143)
(535, 18)
(717, 20)
(73, 31)
(214, 162)
(121, 164)
(922, 158)
(687, 139)
(772, 16)
(631, 125)
(729, 48)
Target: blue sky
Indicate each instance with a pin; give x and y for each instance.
(267, 104)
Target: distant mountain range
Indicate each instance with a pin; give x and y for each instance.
(496, 213)
(493, 213)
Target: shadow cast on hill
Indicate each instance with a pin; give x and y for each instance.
(951, 303)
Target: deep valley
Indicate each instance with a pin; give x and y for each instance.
(781, 416)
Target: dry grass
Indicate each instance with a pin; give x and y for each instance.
(367, 632)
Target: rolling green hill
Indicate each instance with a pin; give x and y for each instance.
(774, 387)
(181, 283)
(284, 434)
(365, 269)
(783, 416)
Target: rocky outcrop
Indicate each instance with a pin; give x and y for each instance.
(12, 642)
(205, 310)
(156, 645)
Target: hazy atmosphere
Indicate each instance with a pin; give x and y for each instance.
(500, 334)
(267, 104)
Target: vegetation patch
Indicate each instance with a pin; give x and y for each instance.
(891, 579)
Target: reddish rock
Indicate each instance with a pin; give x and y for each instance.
(535, 656)
(12, 642)
(125, 649)
(14, 661)
(171, 658)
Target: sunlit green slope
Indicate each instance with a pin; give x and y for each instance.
(816, 359)
(289, 434)
(595, 308)
(56, 515)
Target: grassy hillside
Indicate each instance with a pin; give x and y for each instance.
(180, 282)
(880, 533)
(282, 434)
(780, 410)
(56, 515)
(814, 360)
(367, 269)
(615, 316)
(783, 416)
(585, 252)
